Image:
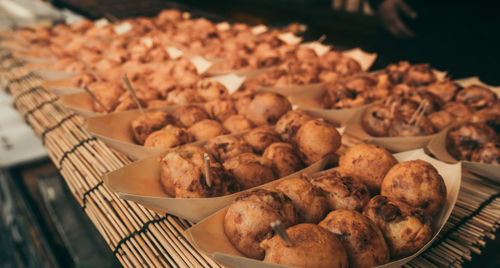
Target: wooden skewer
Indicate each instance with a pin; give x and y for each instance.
(279, 230)
(417, 115)
(208, 179)
(131, 90)
(90, 70)
(321, 38)
(94, 97)
(111, 17)
(290, 73)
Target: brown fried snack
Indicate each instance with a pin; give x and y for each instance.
(248, 218)
(361, 237)
(249, 170)
(342, 191)
(309, 202)
(315, 140)
(261, 137)
(284, 159)
(416, 183)
(367, 162)
(312, 246)
(406, 229)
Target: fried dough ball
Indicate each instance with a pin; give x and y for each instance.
(490, 116)
(441, 119)
(265, 108)
(206, 129)
(376, 120)
(188, 115)
(182, 174)
(406, 229)
(315, 140)
(144, 125)
(477, 97)
(312, 247)
(444, 89)
(285, 160)
(460, 111)
(397, 71)
(367, 162)
(342, 191)
(261, 137)
(248, 218)
(237, 124)
(249, 170)
(488, 154)
(182, 96)
(400, 127)
(288, 125)
(419, 75)
(416, 183)
(227, 146)
(168, 137)
(220, 109)
(463, 140)
(309, 202)
(212, 90)
(361, 237)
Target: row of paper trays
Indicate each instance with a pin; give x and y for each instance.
(139, 181)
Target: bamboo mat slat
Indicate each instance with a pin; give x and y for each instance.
(140, 237)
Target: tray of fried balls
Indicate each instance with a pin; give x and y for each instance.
(340, 99)
(410, 121)
(374, 209)
(139, 135)
(193, 181)
(475, 143)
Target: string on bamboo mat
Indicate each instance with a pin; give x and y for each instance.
(20, 79)
(466, 218)
(140, 231)
(6, 56)
(38, 107)
(29, 91)
(81, 143)
(48, 130)
(87, 193)
(15, 65)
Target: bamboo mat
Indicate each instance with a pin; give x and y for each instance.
(140, 237)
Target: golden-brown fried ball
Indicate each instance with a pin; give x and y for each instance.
(420, 75)
(315, 140)
(248, 218)
(144, 125)
(342, 191)
(284, 158)
(360, 236)
(367, 162)
(188, 115)
(212, 90)
(168, 137)
(237, 124)
(400, 127)
(220, 109)
(206, 129)
(376, 120)
(463, 140)
(261, 137)
(249, 170)
(488, 154)
(227, 146)
(406, 229)
(182, 174)
(477, 97)
(416, 183)
(288, 125)
(265, 108)
(444, 89)
(312, 247)
(310, 204)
